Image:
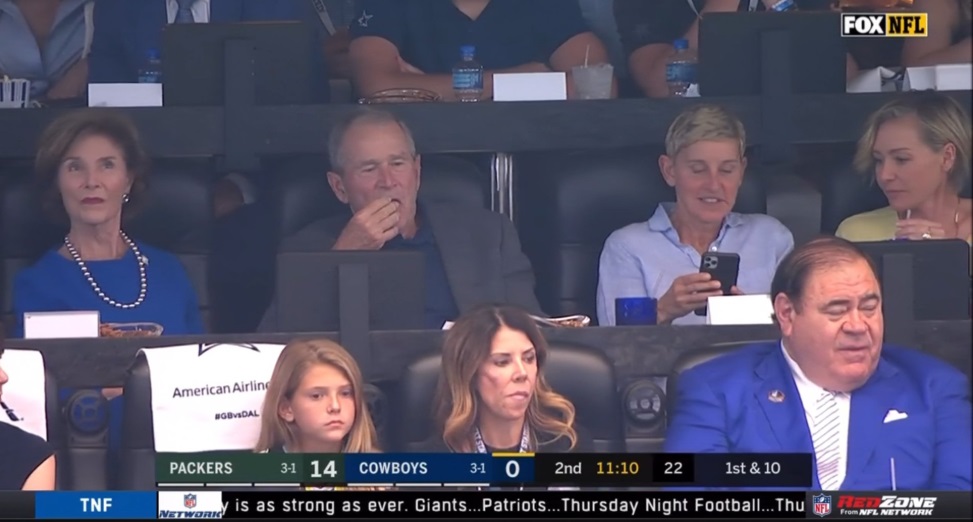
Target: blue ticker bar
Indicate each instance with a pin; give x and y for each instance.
(95, 505)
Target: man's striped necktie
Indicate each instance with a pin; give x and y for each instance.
(185, 13)
(825, 438)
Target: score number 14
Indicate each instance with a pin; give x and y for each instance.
(317, 471)
(328, 470)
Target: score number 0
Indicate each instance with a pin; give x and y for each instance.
(329, 469)
(512, 469)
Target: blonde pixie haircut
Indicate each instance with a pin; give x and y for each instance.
(704, 123)
(942, 121)
(294, 362)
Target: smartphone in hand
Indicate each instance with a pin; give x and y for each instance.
(723, 267)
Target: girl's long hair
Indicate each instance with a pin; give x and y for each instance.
(294, 362)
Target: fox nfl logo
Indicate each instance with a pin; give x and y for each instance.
(885, 25)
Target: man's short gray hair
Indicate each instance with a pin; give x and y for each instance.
(363, 116)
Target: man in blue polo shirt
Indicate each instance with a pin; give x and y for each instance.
(416, 43)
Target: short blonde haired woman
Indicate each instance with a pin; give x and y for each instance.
(918, 149)
(705, 163)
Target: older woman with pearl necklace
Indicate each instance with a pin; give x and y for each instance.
(91, 172)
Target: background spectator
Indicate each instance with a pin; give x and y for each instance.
(949, 39)
(47, 42)
(336, 16)
(648, 29)
(600, 15)
(29, 462)
(416, 43)
(126, 31)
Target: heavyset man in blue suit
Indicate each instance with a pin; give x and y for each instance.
(872, 416)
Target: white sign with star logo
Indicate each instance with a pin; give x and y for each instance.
(23, 399)
(208, 397)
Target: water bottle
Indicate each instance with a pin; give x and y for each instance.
(680, 68)
(151, 72)
(468, 76)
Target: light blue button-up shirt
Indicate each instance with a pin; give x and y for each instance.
(643, 259)
(20, 56)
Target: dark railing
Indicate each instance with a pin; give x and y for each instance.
(637, 352)
(484, 127)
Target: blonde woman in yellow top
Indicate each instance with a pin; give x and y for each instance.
(918, 149)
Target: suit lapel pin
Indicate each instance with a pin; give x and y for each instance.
(776, 396)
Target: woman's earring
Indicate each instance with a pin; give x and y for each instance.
(125, 198)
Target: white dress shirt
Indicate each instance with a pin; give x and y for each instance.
(200, 11)
(809, 393)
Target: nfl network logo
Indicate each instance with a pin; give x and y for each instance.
(822, 505)
(182, 504)
(885, 24)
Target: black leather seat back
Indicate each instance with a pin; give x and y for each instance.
(847, 192)
(137, 452)
(570, 203)
(177, 217)
(303, 195)
(69, 476)
(582, 374)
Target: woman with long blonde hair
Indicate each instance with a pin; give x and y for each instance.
(315, 403)
(492, 394)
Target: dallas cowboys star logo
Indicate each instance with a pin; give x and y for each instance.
(364, 18)
(203, 348)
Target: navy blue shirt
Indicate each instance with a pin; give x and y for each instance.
(440, 303)
(646, 22)
(125, 30)
(508, 33)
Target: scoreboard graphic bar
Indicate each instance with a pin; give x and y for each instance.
(226, 470)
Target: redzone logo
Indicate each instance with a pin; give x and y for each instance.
(886, 505)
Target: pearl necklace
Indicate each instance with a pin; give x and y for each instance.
(142, 261)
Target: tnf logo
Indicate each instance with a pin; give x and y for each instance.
(885, 24)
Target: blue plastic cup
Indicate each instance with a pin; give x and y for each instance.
(635, 311)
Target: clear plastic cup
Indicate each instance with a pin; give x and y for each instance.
(593, 82)
(14, 94)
